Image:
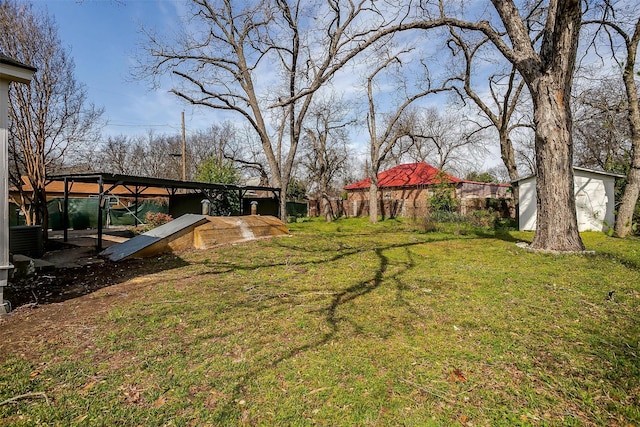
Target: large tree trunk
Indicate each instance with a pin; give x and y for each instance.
(509, 159)
(283, 183)
(324, 185)
(373, 201)
(549, 77)
(326, 207)
(624, 221)
(557, 226)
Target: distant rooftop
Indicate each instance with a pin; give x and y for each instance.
(408, 175)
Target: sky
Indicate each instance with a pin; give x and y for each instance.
(103, 38)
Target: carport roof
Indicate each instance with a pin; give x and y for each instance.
(144, 185)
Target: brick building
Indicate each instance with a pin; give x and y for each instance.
(405, 190)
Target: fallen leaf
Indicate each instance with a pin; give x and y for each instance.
(457, 375)
(80, 419)
(132, 396)
(159, 402)
(318, 390)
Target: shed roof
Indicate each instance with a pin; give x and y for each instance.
(575, 168)
(407, 175)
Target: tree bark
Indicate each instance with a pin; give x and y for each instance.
(549, 77)
(373, 201)
(507, 153)
(624, 221)
(326, 207)
(283, 204)
(557, 226)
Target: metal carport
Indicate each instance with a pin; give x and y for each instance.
(138, 186)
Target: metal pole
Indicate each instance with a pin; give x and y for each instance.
(65, 211)
(184, 151)
(100, 199)
(137, 208)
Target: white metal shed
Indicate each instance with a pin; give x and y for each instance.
(595, 200)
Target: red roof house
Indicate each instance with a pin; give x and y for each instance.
(405, 190)
(409, 175)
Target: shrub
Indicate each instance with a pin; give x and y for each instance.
(156, 219)
(483, 218)
(426, 224)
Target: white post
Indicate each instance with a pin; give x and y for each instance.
(5, 265)
(10, 70)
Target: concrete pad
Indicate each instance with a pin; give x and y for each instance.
(72, 257)
(24, 266)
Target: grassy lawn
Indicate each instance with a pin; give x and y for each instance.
(349, 324)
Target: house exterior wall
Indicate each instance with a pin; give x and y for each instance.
(595, 201)
(483, 190)
(413, 202)
(396, 202)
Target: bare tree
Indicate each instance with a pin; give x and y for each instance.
(51, 115)
(153, 155)
(614, 27)
(394, 123)
(545, 58)
(264, 60)
(445, 140)
(248, 155)
(325, 151)
(601, 132)
(115, 155)
(235, 46)
(505, 89)
(218, 140)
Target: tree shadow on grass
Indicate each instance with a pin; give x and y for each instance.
(626, 259)
(331, 314)
(504, 235)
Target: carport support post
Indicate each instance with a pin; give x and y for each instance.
(65, 211)
(100, 210)
(136, 208)
(10, 70)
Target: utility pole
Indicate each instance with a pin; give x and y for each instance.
(184, 151)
